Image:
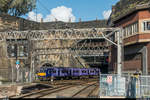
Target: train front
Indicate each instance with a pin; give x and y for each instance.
(42, 74)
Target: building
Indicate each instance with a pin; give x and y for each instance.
(135, 22)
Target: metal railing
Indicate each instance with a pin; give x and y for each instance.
(126, 86)
(144, 86)
(112, 85)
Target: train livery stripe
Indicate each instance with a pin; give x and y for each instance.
(41, 74)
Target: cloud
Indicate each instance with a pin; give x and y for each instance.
(106, 14)
(32, 16)
(60, 13)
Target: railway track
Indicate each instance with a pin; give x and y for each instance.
(58, 88)
(60, 82)
(86, 92)
(40, 93)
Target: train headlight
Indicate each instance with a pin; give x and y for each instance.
(41, 74)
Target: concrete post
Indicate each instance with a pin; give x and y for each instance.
(145, 61)
(119, 52)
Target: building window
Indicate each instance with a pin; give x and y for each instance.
(131, 29)
(146, 25)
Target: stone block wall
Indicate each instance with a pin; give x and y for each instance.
(11, 23)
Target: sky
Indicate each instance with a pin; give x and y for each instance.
(71, 10)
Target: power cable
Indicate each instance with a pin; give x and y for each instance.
(45, 8)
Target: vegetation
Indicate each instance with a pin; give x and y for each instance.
(17, 7)
(124, 6)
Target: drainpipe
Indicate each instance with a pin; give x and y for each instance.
(144, 61)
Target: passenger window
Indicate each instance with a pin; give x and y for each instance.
(146, 25)
(54, 71)
(64, 71)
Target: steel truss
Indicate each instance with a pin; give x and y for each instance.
(52, 51)
(54, 34)
(76, 35)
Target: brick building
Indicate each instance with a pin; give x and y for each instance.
(136, 39)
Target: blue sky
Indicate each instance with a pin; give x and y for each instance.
(74, 9)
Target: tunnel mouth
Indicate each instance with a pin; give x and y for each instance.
(43, 67)
(47, 65)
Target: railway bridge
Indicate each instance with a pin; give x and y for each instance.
(56, 47)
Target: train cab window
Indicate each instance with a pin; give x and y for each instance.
(146, 25)
(49, 71)
(42, 70)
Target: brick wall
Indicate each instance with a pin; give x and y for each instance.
(144, 14)
(113, 59)
(132, 65)
(127, 20)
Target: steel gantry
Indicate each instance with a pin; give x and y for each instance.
(63, 34)
(68, 34)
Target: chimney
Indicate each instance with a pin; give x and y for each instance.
(69, 20)
(41, 20)
(28, 18)
(55, 19)
(96, 18)
(113, 8)
(79, 19)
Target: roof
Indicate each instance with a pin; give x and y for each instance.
(134, 9)
(25, 24)
(119, 11)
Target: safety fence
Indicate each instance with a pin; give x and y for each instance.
(143, 83)
(126, 86)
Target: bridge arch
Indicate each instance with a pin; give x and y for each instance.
(45, 63)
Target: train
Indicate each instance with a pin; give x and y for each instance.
(46, 73)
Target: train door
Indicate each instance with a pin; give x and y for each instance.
(59, 73)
